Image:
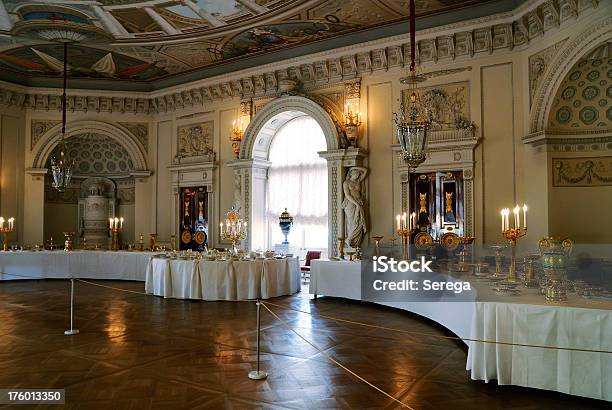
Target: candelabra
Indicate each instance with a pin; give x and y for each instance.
(234, 229)
(352, 121)
(116, 227)
(403, 230)
(236, 136)
(6, 230)
(513, 234)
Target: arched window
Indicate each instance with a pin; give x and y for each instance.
(297, 180)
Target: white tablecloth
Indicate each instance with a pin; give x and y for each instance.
(82, 264)
(525, 319)
(223, 280)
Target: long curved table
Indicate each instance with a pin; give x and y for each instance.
(186, 279)
(527, 319)
(82, 264)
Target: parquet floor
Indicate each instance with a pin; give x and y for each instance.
(144, 352)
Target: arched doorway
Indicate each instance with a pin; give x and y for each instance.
(297, 181)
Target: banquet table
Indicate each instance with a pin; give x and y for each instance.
(79, 263)
(222, 279)
(526, 319)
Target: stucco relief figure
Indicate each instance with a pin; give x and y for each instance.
(195, 140)
(237, 192)
(354, 206)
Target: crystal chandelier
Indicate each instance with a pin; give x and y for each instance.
(61, 164)
(412, 126)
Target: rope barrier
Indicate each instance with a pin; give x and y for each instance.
(334, 361)
(24, 276)
(465, 339)
(112, 287)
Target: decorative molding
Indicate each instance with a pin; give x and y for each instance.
(591, 171)
(38, 128)
(538, 63)
(442, 44)
(570, 53)
(140, 131)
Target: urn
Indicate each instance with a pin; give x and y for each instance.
(285, 221)
(555, 254)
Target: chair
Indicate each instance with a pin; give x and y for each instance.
(310, 255)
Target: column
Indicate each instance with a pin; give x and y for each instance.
(34, 207)
(212, 20)
(5, 20)
(109, 21)
(143, 214)
(251, 5)
(165, 26)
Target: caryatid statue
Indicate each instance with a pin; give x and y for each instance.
(354, 206)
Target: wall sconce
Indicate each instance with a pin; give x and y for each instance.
(352, 121)
(238, 126)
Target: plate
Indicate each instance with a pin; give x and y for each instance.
(506, 291)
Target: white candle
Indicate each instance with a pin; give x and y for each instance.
(525, 216)
(110, 223)
(404, 226)
(1, 222)
(517, 218)
(121, 221)
(398, 223)
(11, 223)
(413, 218)
(503, 220)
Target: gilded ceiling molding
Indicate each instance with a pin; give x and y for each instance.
(501, 33)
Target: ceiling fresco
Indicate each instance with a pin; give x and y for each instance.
(165, 42)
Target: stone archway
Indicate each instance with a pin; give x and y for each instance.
(574, 49)
(254, 145)
(41, 151)
(252, 165)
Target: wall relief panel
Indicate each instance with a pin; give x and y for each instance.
(592, 171)
(448, 105)
(195, 140)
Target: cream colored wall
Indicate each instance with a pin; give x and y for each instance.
(506, 171)
(11, 169)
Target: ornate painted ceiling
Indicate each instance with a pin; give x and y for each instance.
(147, 45)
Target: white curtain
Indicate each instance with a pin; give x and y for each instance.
(297, 180)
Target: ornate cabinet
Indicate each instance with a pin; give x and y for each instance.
(193, 232)
(437, 199)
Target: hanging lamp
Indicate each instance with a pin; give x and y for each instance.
(61, 163)
(411, 124)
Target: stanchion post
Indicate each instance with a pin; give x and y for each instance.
(72, 330)
(258, 374)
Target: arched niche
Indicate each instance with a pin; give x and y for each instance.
(49, 140)
(252, 165)
(573, 50)
(34, 225)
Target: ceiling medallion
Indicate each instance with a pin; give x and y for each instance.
(412, 127)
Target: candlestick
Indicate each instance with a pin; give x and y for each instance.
(6, 231)
(512, 235)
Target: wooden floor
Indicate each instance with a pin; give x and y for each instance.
(144, 352)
